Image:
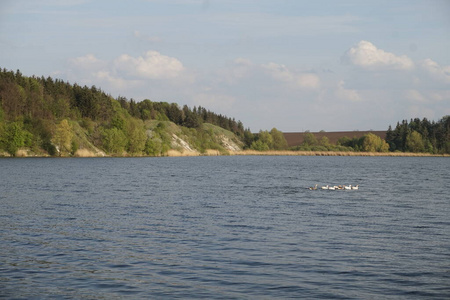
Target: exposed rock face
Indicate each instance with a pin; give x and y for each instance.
(177, 142)
(229, 144)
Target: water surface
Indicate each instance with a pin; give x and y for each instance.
(224, 228)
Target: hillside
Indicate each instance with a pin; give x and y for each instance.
(46, 116)
(296, 138)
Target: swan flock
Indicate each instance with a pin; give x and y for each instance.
(335, 187)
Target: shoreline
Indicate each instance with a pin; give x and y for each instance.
(211, 152)
(337, 153)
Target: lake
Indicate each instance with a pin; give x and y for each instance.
(234, 227)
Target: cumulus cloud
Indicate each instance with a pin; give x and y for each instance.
(87, 62)
(299, 80)
(153, 65)
(235, 71)
(346, 94)
(149, 75)
(441, 73)
(367, 56)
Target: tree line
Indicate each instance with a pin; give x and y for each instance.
(59, 117)
(48, 98)
(420, 136)
(367, 143)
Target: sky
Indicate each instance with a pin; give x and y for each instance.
(293, 65)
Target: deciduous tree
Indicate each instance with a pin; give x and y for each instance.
(414, 142)
(63, 137)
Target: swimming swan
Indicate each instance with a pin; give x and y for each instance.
(313, 188)
(355, 187)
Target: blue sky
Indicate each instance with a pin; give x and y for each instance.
(291, 64)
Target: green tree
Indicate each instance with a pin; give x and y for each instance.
(136, 136)
(153, 146)
(279, 141)
(309, 139)
(63, 137)
(264, 141)
(414, 142)
(114, 140)
(14, 137)
(325, 142)
(373, 143)
(259, 146)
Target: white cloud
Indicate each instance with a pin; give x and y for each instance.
(153, 65)
(367, 56)
(441, 73)
(308, 80)
(237, 70)
(114, 81)
(87, 62)
(346, 94)
(299, 80)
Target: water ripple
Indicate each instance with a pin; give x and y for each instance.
(224, 228)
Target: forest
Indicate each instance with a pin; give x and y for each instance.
(420, 136)
(49, 116)
(53, 117)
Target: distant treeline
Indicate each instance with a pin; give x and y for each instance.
(51, 115)
(48, 98)
(420, 136)
(417, 136)
(36, 112)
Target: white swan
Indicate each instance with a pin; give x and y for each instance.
(348, 187)
(313, 188)
(325, 187)
(332, 188)
(355, 187)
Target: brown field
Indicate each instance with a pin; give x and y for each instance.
(333, 153)
(296, 138)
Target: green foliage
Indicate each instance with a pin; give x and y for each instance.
(14, 137)
(158, 142)
(373, 143)
(279, 141)
(414, 142)
(43, 102)
(325, 142)
(114, 140)
(136, 136)
(75, 147)
(62, 137)
(435, 136)
(259, 146)
(369, 142)
(265, 140)
(309, 139)
(39, 113)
